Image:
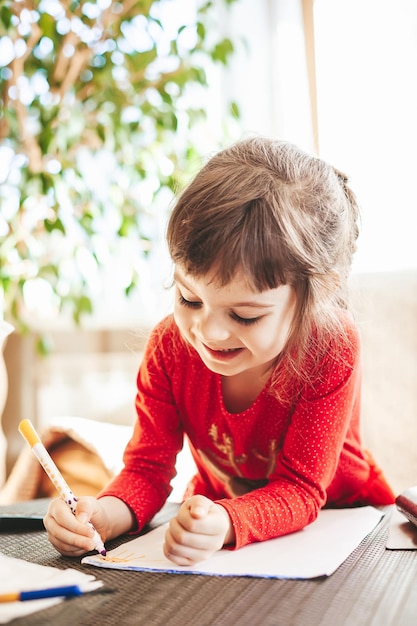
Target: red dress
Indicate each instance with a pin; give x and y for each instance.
(272, 466)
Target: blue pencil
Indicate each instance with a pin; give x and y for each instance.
(53, 592)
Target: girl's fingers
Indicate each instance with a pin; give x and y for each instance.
(68, 535)
(184, 554)
(178, 535)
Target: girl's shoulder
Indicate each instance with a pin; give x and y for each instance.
(341, 336)
(165, 334)
(164, 329)
(169, 355)
(338, 353)
(165, 342)
(348, 339)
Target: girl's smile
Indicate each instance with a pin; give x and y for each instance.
(232, 327)
(222, 354)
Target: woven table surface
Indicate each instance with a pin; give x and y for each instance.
(373, 587)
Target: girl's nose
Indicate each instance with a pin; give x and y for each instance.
(211, 328)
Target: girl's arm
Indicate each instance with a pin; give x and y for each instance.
(143, 485)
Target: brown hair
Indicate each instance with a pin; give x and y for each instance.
(279, 215)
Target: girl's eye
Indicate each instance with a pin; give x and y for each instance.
(245, 321)
(188, 303)
(195, 304)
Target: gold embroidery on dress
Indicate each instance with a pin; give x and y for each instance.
(271, 459)
(226, 446)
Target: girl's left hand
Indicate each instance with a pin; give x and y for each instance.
(200, 529)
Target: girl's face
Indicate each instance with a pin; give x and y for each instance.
(233, 328)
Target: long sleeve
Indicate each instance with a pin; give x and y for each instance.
(149, 458)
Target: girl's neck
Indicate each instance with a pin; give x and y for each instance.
(240, 391)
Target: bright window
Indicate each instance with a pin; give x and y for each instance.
(366, 56)
(366, 67)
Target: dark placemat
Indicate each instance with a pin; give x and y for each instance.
(374, 586)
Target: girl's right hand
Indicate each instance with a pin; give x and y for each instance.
(72, 535)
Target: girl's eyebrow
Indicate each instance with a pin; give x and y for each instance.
(179, 280)
(255, 305)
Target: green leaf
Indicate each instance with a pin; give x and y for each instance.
(128, 222)
(222, 51)
(201, 31)
(46, 181)
(44, 345)
(234, 110)
(54, 225)
(101, 132)
(140, 60)
(5, 17)
(47, 25)
(82, 305)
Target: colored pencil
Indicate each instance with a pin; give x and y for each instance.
(53, 592)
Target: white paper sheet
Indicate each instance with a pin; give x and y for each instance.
(318, 550)
(20, 575)
(402, 534)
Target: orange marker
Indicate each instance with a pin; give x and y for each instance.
(27, 430)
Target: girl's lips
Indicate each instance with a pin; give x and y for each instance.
(223, 355)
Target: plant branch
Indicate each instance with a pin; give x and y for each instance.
(109, 17)
(62, 60)
(28, 141)
(79, 62)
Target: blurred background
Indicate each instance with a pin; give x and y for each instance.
(108, 108)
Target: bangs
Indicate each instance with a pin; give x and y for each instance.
(240, 239)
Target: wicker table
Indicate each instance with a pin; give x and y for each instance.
(373, 587)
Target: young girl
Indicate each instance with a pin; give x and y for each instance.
(259, 365)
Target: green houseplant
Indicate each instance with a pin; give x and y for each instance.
(101, 110)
